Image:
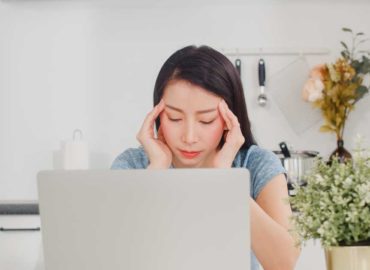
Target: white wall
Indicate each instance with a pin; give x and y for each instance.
(92, 65)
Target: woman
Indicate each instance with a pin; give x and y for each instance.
(202, 122)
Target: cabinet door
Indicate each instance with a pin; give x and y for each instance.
(20, 250)
(312, 257)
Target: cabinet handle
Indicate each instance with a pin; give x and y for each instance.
(19, 229)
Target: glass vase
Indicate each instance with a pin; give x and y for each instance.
(340, 153)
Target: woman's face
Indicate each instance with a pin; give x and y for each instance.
(191, 124)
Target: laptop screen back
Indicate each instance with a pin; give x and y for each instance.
(173, 219)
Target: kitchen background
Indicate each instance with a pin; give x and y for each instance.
(92, 65)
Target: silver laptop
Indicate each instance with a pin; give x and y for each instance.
(173, 219)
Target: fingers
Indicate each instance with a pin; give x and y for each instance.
(230, 119)
(152, 116)
(160, 135)
(234, 134)
(148, 124)
(222, 110)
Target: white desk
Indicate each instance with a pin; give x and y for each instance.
(23, 250)
(20, 250)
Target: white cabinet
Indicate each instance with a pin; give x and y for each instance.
(20, 250)
(312, 257)
(23, 250)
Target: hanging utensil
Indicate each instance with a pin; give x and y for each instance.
(238, 65)
(262, 98)
(284, 149)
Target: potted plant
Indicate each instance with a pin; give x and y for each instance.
(334, 208)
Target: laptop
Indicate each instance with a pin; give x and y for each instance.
(173, 219)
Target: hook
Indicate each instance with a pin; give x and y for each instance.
(79, 132)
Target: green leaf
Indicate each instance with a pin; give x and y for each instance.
(346, 29)
(360, 92)
(345, 54)
(365, 65)
(344, 45)
(361, 66)
(355, 64)
(363, 41)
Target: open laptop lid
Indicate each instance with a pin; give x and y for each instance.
(145, 219)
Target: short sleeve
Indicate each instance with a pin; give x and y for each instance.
(263, 165)
(132, 158)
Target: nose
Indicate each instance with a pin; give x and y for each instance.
(189, 134)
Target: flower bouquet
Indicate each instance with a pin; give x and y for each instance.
(336, 88)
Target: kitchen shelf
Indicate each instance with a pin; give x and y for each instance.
(274, 51)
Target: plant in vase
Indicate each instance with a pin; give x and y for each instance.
(334, 207)
(336, 88)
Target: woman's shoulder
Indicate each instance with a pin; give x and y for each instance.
(253, 156)
(131, 158)
(262, 164)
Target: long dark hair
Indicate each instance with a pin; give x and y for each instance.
(211, 70)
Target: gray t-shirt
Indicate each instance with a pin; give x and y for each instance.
(262, 164)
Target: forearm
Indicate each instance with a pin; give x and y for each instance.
(272, 244)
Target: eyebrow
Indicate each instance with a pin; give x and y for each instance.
(198, 112)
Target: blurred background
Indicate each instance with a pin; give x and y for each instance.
(92, 65)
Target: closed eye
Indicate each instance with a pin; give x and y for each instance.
(203, 122)
(207, 123)
(174, 120)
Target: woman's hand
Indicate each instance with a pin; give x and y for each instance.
(159, 154)
(234, 138)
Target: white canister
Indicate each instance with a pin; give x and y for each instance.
(75, 152)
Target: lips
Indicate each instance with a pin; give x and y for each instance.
(188, 154)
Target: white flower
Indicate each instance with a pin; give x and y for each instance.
(367, 198)
(321, 231)
(312, 90)
(364, 193)
(319, 179)
(347, 182)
